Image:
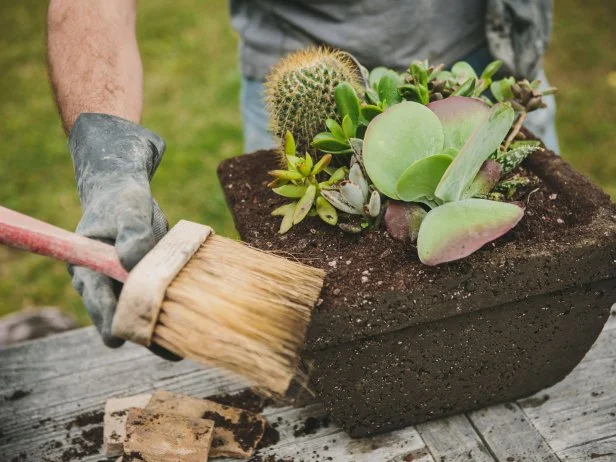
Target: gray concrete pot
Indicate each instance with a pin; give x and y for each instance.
(426, 342)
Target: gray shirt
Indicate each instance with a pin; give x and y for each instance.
(388, 33)
(392, 33)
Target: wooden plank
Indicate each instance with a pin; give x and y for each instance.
(114, 421)
(510, 436)
(237, 433)
(601, 451)
(156, 437)
(327, 442)
(582, 407)
(454, 439)
(68, 378)
(47, 386)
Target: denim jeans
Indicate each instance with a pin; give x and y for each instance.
(255, 118)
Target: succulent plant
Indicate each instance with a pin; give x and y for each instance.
(299, 181)
(336, 139)
(524, 97)
(425, 83)
(441, 160)
(418, 80)
(401, 135)
(383, 90)
(516, 154)
(508, 187)
(355, 114)
(299, 91)
(403, 220)
(457, 229)
(354, 195)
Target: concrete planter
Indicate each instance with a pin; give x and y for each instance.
(396, 343)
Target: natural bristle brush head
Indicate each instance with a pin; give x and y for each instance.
(200, 296)
(240, 309)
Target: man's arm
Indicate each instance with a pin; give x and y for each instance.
(95, 71)
(94, 62)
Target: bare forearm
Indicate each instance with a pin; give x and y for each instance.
(94, 62)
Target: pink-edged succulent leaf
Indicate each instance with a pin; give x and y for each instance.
(404, 133)
(486, 139)
(460, 116)
(403, 220)
(488, 176)
(421, 178)
(457, 229)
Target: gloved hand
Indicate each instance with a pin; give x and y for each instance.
(114, 161)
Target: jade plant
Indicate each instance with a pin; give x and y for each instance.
(427, 153)
(441, 159)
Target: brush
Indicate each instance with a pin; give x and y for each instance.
(199, 295)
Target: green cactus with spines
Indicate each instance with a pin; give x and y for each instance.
(300, 92)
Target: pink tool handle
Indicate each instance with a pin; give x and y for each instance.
(24, 232)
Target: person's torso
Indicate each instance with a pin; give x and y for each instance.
(388, 33)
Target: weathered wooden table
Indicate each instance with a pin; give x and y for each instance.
(53, 392)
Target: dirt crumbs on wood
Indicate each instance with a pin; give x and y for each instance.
(85, 419)
(596, 455)
(310, 426)
(535, 401)
(133, 456)
(246, 399)
(270, 436)
(245, 431)
(258, 458)
(17, 394)
(90, 439)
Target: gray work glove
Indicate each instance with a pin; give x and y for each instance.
(114, 161)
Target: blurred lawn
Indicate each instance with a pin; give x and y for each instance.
(191, 99)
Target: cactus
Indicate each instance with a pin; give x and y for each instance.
(299, 92)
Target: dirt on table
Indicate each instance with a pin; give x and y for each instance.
(310, 426)
(17, 395)
(246, 399)
(88, 441)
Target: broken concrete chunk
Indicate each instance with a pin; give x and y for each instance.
(157, 437)
(237, 432)
(114, 431)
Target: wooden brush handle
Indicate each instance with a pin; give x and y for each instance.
(24, 232)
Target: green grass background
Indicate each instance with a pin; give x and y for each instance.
(191, 99)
